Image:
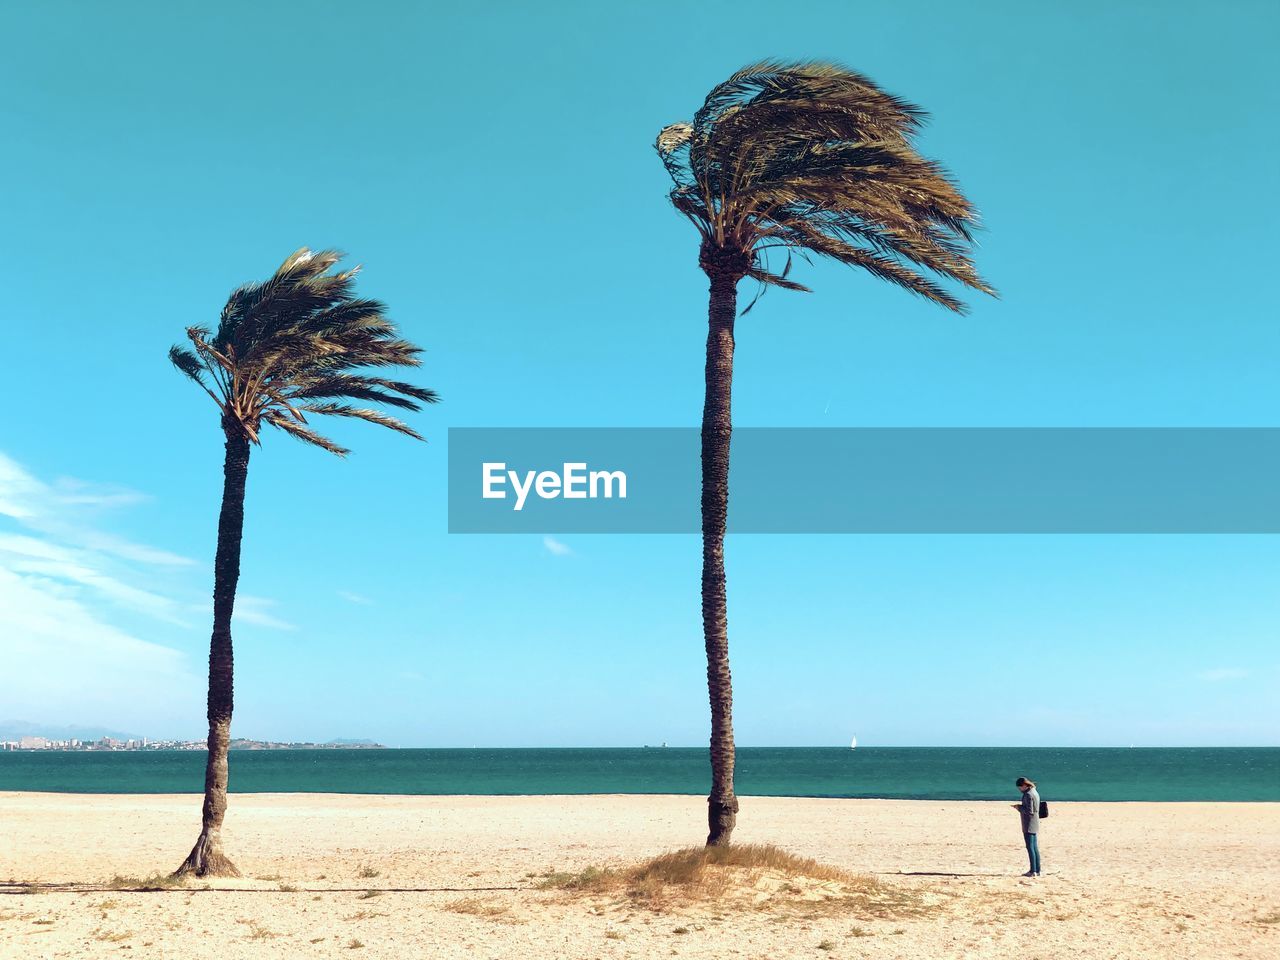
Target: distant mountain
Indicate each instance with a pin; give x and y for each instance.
(17, 729)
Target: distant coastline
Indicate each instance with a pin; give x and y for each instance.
(113, 744)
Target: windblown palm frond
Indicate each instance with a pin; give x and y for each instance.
(297, 344)
(816, 157)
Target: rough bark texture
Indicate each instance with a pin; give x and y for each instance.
(206, 857)
(724, 268)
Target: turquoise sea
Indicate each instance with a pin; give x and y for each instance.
(934, 773)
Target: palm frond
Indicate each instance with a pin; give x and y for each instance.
(802, 234)
(299, 337)
(362, 413)
(303, 433)
(375, 389)
(775, 280)
(190, 365)
(815, 156)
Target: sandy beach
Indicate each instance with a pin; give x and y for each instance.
(336, 875)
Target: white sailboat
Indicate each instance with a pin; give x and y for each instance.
(853, 743)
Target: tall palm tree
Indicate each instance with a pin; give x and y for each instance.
(810, 158)
(292, 346)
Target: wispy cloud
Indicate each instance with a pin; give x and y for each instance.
(250, 609)
(70, 490)
(61, 545)
(63, 581)
(60, 541)
(257, 610)
(64, 511)
(556, 548)
(350, 597)
(31, 556)
(1219, 674)
(63, 663)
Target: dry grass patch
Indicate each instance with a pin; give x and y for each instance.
(365, 915)
(111, 936)
(157, 881)
(746, 877)
(257, 931)
(478, 907)
(992, 907)
(1268, 918)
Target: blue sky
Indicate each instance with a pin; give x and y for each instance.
(493, 171)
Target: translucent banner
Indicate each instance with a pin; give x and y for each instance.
(782, 480)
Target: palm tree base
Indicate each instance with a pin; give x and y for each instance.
(207, 860)
(722, 817)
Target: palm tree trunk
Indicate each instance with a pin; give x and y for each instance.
(722, 805)
(206, 857)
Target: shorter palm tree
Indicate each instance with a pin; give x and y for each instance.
(297, 345)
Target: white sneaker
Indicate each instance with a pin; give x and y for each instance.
(1030, 874)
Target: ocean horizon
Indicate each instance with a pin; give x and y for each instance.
(1179, 774)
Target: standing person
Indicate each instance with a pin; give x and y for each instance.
(1029, 809)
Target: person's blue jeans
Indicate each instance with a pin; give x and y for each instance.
(1033, 851)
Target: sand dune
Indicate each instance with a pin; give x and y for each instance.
(1124, 880)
